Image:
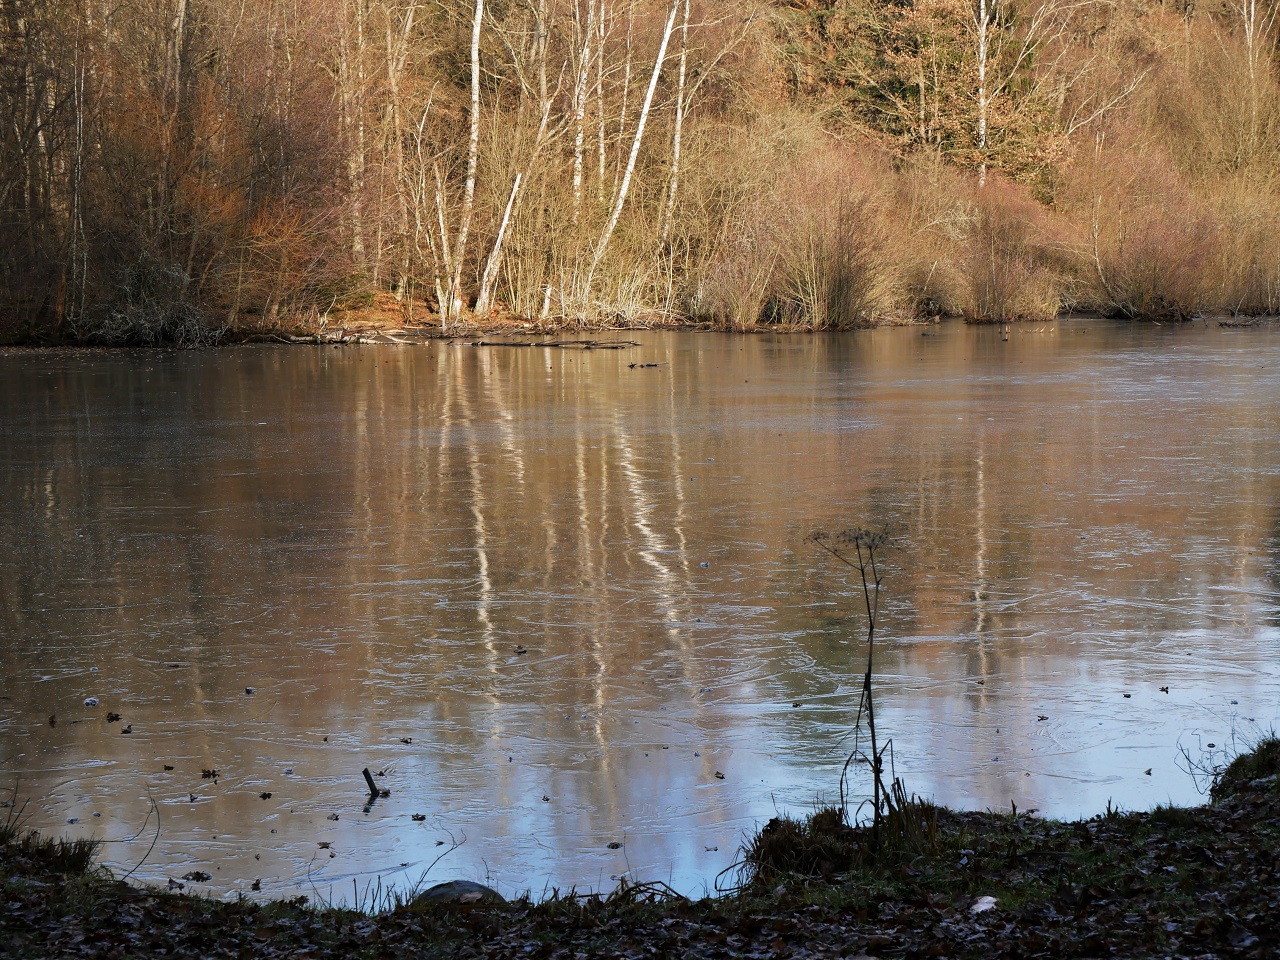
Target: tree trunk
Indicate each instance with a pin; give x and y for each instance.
(983, 18)
(585, 33)
(623, 188)
(453, 309)
(626, 89)
(351, 81)
(602, 32)
(674, 185)
(484, 302)
(396, 55)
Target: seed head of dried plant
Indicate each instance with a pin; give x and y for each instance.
(859, 549)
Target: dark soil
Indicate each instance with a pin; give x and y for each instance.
(1201, 882)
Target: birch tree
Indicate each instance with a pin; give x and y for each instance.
(398, 27)
(686, 92)
(606, 234)
(532, 62)
(585, 13)
(984, 28)
(452, 250)
(1257, 23)
(677, 130)
(1008, 37)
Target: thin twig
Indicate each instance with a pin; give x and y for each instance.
(865, 544)
(155, 808)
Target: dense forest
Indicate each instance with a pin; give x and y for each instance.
(171, 170)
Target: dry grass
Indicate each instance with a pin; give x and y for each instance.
(56, 854)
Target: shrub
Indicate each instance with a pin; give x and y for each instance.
(1160, 263)
(1012, 270)
(832, 270)
(149, 307)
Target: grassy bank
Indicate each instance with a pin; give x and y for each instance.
(1183, 882)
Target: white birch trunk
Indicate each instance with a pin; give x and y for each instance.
(453, 309)
(623, 188)
(602, 33)
(484, 302)
(673, 186)
(444, 279)
(626, 89)
(584, 33)
(177, 29)
(1256, 24)
(397, 51)
(489, 279)
(982, 22)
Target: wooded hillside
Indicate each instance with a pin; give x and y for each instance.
(173, 168)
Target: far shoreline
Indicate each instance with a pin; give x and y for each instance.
(364, 327)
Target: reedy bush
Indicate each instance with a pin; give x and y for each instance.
(833, 273)
(1012, 270)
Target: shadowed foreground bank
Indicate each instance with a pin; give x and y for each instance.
(1197, 882)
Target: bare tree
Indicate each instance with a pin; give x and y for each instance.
(351, 73)
(585, 46)
(673, 184)
(531, 62)
(1257, 23)
(398, 27)
(1008, 38)
(624, 186)
(450, 247)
